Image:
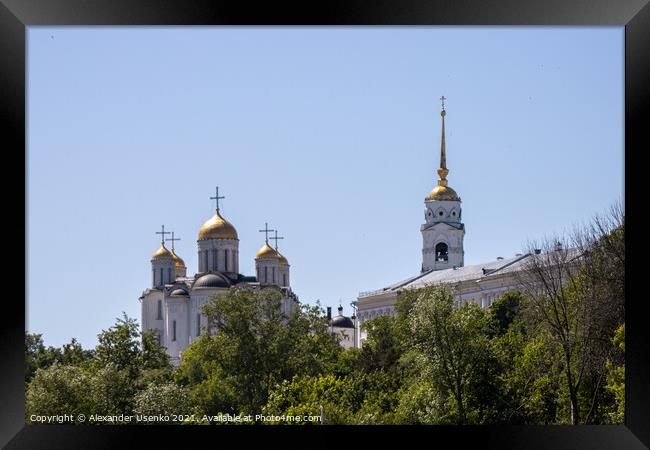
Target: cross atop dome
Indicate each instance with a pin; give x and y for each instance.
(275, 238)
(266, 231)
(217, 198)
(163, 233)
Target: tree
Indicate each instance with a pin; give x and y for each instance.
(58, 390)
(505, 310)
(37, 356)
(574, 291)
(305, 395)
(167, 399)
(253, 346)
(450, 340)
(616, 376)
(382, 348)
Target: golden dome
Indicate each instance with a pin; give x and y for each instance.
(282, 259)
(217, 228)
(268, 252)
(444, 193)
(162, 253)
(178, 261)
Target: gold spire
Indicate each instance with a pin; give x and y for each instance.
(442, 171)
(442, 191)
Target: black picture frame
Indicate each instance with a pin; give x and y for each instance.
(634, 15)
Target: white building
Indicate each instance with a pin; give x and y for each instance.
(172, 306)
(443, 257)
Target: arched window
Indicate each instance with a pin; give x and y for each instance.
(273, 272)
(207, 268)
(159, 310)
(266, 274)
(198, 324)
(225, 257)
(169, 275)
(174, 330)
(442, 252)
(161, 277)
(284, 279)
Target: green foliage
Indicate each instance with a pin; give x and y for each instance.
(166, 399)
(505, 310)
(58, 390)
(616, 378)
(254, 347)
(536, 358)
(383, 346)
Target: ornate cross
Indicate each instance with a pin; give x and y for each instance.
(173, 239)
(443, 101)
(163, 232)
(276, 239)
(217, 198)
(266, 231)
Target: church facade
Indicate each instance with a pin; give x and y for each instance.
(443, 257)
(173, 305)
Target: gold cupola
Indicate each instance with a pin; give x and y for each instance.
(282, 259)
(217, 228)
(178, 261)
(162, 254)
(267, 252)
(442, 192)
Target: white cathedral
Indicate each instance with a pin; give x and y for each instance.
(173, 305)
(443, 258)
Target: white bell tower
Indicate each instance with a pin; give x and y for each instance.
(443, 231)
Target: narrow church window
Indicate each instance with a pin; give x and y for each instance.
(266, 274)
(169, 274)
(198, 324)
(161, 277)
(159, 310)
(207, 268)
(225, 257)
(174, 330)
(441, 252)
(273, 272)
(215, 260)
(284, 279)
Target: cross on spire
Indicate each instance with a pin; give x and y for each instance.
(217, 198)
(266, 231)
(276, 239)
(163, 233)
(173, 239)
(443, 102)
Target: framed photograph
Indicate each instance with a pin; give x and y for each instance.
(408, 217)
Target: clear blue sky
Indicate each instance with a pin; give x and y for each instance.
(332, 135)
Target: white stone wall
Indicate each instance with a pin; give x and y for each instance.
(346, 336)
(176, 312)
(270, 271)
(435, 231)
(222, 255)
(163, 272)
(149, 317)
(181, 272)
